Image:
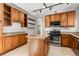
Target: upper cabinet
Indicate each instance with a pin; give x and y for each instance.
(47, 21)
(67, 19)
(7, 15)
(14, 15)
(52, 18)
(18, 16)
(55, 17)
(63, 19)
(71, 18)
(25, 20)
(21, 18)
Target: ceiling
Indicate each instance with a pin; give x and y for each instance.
(30, 7)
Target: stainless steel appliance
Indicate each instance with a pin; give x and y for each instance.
(55, 23)
(55, 36)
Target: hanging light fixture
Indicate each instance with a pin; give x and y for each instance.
(50, 7)
(40, 10)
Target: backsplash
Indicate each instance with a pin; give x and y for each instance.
(62, 29)
(16, 27)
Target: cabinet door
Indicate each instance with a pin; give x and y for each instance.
(20, 39)
(6, 43)
(24, 38)
(64, 40)
(73, 42)
(64, 19)
(22, 19)
(57, 17)
(14, 14)
(47, 21)
(71, 18)
(52, 18)
(14, 41)
(17, 15)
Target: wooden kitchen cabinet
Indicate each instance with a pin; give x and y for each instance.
(22, 18)
(71, 18)
(7, 15)
(20, 40)
(14, 41)
(64, 20)
(25, 20)
(6, 43)
(52, 18)
(64, 40)
(47, 21)
(1, 27)
(55, 17)
(24, 38)
(69, 41)
(73, 42)
(15, 16)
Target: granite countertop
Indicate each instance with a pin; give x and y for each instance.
(38, 36)
(75, 34)
(13, 33)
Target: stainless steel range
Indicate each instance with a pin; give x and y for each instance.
(55, 35)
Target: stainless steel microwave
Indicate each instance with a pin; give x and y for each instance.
(55, 24)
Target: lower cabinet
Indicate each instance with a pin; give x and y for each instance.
(24, 38)
(6, 43)
(73, 42)
(11, 42)
(64, 40)
(69, 41)
(14, 41)
(20, 40)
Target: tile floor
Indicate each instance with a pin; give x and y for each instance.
(60, 51)
(54, 51)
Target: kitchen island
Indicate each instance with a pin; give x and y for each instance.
(38, 45)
